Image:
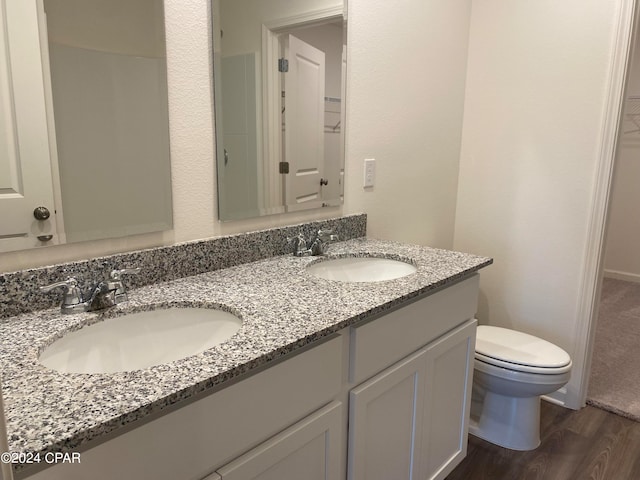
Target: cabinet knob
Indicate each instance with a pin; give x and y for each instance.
(41, 213)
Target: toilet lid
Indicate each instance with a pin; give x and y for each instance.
(520, 351)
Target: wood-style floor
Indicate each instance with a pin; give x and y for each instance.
(589, 444)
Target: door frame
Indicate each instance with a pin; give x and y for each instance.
(592, 268)
(51, 124)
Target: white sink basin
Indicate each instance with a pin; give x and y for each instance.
(140, 340)
(360, 269)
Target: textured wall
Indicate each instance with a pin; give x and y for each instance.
(537, 83)
(405, 89)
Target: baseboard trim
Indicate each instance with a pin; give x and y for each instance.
(559, 397)
(618, 275)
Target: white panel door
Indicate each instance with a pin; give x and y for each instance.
(304, 124)
(25, 168)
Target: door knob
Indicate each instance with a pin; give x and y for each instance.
(41, 213)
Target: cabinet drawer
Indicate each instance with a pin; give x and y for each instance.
(380, 343)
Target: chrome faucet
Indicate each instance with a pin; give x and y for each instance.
(316, 246)
(104, 294)
(322, 238)
(300, 248)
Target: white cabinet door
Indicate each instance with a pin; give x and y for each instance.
(308, 450)
(448, 381)
(25, 168)
(411, 421)
(385, 422)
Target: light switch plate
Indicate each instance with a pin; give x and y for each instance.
(369, 172)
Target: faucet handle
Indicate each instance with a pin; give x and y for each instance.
(116, 283)
(72, 293)
(321, 239)
(299, 245)
(327, 236)
(117, 274)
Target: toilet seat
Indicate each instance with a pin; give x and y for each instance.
(519, 351)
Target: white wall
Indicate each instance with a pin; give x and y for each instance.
(72, 23)
(405, 88)
(622, 254)
(536, 89)
(405, 84)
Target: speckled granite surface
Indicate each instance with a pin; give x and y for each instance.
(282, 307)
(19, 291)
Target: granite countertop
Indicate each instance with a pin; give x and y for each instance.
(283, 308)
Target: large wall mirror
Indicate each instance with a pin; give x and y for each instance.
(84, 129)
(279, 85)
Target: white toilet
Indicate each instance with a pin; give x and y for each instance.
(512, 370)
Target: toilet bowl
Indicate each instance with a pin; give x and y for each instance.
(511, 371)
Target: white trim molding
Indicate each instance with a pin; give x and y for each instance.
(618, 275)
(306, 18)
(588, 300)
(559, 397)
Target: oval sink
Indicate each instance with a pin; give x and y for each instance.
(361, 269)
(140, 340)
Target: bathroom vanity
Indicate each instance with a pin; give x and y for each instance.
(325, 379)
